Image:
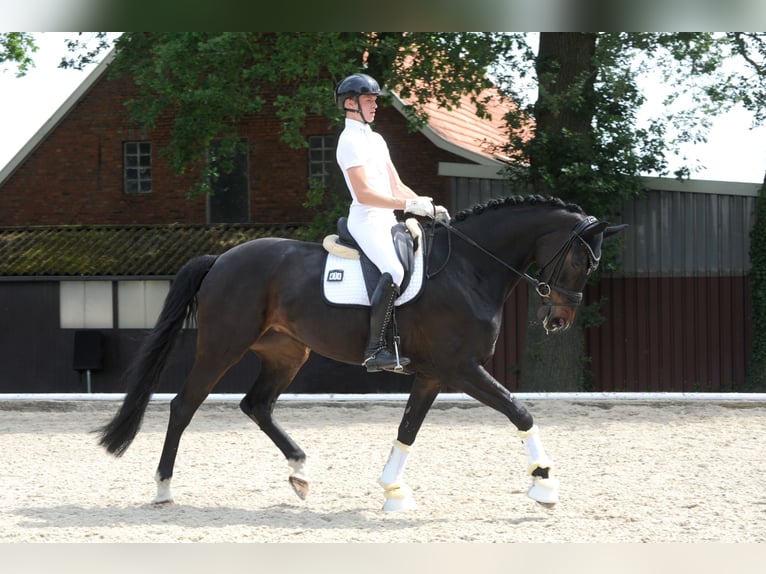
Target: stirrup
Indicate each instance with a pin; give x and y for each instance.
(383, 360)
(400, 361)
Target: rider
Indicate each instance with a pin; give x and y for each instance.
(376, 191)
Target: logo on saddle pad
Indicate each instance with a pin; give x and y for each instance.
(344, 280)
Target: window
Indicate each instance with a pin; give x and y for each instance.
(139, 303)
(92, 304)
(86, 304)
(138, 167)
(322, 159)
(229, 200)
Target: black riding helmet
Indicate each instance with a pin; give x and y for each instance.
(354, 86)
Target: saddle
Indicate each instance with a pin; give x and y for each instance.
(406, 237)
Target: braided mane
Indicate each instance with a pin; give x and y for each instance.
(517, 200)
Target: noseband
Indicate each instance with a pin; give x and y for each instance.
(545, 288)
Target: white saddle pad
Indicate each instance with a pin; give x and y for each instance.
(343, 283)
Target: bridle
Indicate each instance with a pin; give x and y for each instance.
(545, 287)
(557, 260)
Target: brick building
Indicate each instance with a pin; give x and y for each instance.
(81, 167)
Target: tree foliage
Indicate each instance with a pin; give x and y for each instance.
(590, 145)
(17, 48)
(756, 372)
(589, 149)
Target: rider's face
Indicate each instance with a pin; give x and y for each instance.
(368, 104)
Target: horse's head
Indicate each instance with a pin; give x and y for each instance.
(565, 262)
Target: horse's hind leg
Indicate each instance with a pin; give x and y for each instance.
(204, 375)
(281, 359)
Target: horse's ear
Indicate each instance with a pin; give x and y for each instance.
(612, 229)
(595, 229)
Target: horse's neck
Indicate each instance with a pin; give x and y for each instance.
(510, 234)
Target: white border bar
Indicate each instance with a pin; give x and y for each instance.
(398, 397)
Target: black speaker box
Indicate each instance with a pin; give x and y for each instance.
(88, 351)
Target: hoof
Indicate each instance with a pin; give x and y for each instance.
(548, 505)
(399, 504)
(398, 498)
(162, 502)
(544, 491)
(300, 486)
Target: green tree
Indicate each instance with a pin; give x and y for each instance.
(17, 48)
(588, 149)
(751, 48)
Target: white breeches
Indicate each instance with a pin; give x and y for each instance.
(373, 234)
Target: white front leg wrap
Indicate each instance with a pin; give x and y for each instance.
(393, 472)
(298, 469)
(544, 490)
(398, 494)
(164, 495)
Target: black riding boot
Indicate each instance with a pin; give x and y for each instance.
(378, 356)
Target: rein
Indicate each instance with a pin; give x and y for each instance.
(543, 288)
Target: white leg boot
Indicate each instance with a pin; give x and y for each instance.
(398, 494)
(163, 490)
(543, 490)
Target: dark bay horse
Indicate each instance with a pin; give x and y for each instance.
(263, 296)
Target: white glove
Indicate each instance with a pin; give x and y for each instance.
(442, 214)
(421, 205)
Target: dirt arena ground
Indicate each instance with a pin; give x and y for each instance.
(630, 472)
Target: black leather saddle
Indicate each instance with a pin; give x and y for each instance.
(405, 245)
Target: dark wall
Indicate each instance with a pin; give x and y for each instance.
(679, 334)
(37, 356)
(660, 334)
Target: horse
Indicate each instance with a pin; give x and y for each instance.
(263, 296)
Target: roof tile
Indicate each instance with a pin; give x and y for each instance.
(119, 250)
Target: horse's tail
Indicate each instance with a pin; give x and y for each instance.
(143, 376)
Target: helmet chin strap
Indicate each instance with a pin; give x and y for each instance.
(357, 111)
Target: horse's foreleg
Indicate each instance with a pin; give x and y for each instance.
(398, 494)
(281, 359)
(480, 385)
(545, 487)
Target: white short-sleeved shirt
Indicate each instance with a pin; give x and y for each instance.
(359, 146)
